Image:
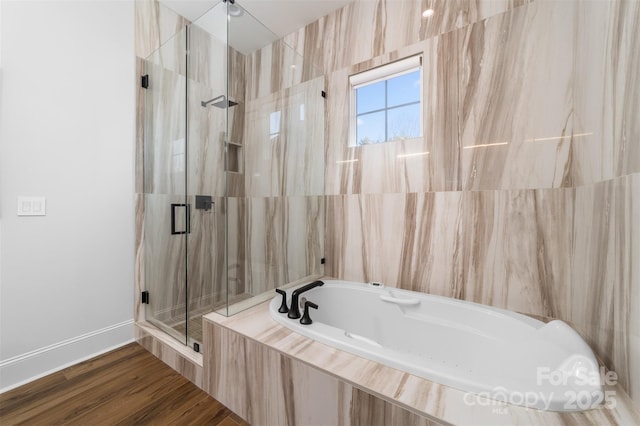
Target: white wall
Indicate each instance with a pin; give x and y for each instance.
(67, 133)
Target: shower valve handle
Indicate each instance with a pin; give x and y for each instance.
(283, 306)
(306, 319)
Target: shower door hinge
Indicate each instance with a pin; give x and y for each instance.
(322, 261)
(145, 297)
(144, 81)
(323, 94)
(196, 347)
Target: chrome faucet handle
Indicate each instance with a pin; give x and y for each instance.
(283, 306)
(306, 319)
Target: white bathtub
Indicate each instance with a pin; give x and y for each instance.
(485, 351)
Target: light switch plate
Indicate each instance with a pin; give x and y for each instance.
(32, 206)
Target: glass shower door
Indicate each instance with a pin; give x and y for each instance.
(208, 107)
(166, 207)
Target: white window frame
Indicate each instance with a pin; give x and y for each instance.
(375, 75)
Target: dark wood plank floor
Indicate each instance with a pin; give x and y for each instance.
(128, 386)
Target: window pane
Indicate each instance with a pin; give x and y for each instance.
(370, 128)
(370, 98)
(404, 122)
(404, 89)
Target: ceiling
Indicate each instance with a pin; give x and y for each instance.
(281, 17)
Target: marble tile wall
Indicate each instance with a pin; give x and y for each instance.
(519, 194)
(365, 29)
(284, 149)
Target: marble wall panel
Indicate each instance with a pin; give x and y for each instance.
(628, 251)
(624, 77)
(284, 240)
(365, 28)
(516, 249)
(284, 143)
(206, 129)
(154, 25)
(607, 91)
(509, 249)
(605, 285)
(276, 67)
(516, 98)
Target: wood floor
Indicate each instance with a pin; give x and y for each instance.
(128, 386)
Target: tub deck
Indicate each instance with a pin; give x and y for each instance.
(433, 401)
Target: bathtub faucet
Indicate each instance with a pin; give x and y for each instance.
(294, 310)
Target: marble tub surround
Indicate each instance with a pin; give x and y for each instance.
(267, 346)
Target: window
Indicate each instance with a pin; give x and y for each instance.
(386, 102)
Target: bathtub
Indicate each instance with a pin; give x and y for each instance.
(490, 353)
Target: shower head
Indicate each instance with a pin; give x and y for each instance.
(220, 102)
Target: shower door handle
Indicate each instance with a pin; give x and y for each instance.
(187, 219)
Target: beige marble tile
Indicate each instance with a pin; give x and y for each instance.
(277, 389)
(623, 78)
(509, 249)
(154, 25)
(284, 147)
(276, 67)
(426, 399)
(516, 249)
(364, 29)
(284, 241)
(630, 270)
(604, 287)
(517, 99)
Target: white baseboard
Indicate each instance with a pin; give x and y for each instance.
(22, 369)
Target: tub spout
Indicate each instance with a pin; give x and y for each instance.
(294, 310)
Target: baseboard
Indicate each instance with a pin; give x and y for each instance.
(22, 369)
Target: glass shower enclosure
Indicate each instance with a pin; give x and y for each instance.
(233, 171)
